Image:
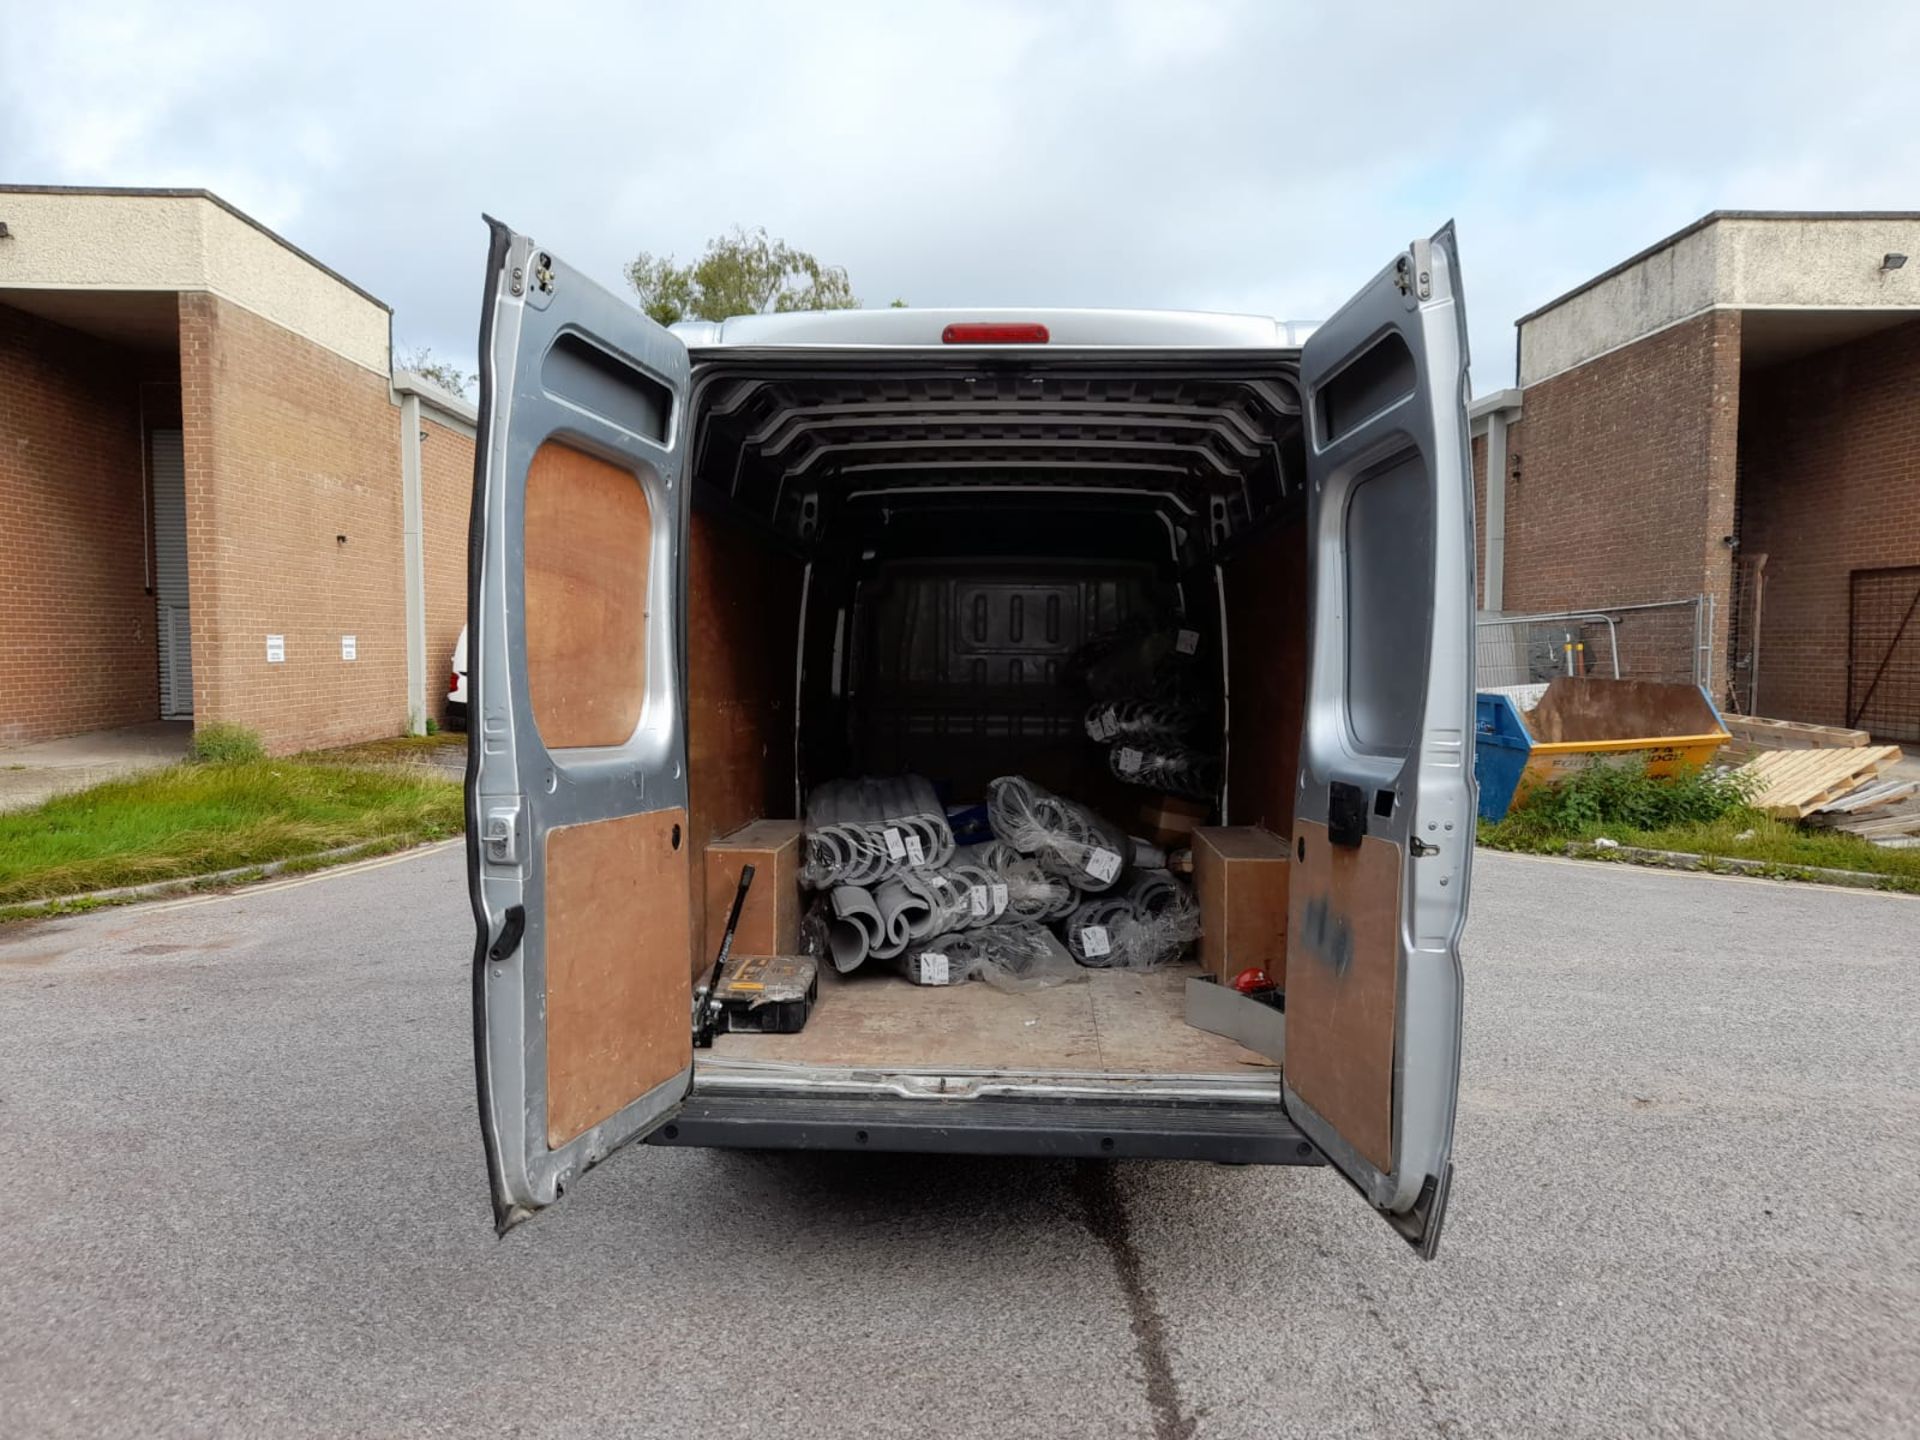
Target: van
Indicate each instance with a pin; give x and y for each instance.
(715, 565)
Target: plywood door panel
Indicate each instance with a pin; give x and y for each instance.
(619, 993)
(1343, 975)
(589, 534)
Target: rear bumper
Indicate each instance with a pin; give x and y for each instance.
(456, 714)
(1235, 1134)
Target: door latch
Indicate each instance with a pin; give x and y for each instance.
(1346, 814)
(500, 833)
(1421, 849)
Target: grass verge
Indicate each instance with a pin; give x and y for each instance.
(189, 821)
(1784, 848)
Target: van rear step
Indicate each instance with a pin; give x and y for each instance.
(992, 1126)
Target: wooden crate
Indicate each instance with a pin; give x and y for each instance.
(1240, 875)
(770, 920)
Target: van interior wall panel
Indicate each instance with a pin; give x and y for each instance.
(589, 530)
(743, 601)
(618, 986)
(964, 670)
(1343, 928)
(1266, 618)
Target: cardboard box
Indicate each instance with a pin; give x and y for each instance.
(770, 920)
(1240, 875)
(1170, 821)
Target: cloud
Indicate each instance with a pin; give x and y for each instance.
(1235, 156)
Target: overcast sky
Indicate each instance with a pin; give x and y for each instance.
(1250, 156)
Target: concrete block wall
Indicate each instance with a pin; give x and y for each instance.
(77, 644)
(290, 446)
(1830, 477)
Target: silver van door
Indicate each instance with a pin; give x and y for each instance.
(1383, 830)
(577, 768)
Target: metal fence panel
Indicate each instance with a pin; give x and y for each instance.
(1669, 640)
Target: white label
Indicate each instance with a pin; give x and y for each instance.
(895, 850)
(276, 649)
(349, 644)
(1101, 726)
(1103, 865)
(1000, 898)
(916, 852)
(1093, 941)
(1187, 641)
(1127, 760)
(933, 969)
(981, 900)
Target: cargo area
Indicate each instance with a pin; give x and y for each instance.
(920, 570)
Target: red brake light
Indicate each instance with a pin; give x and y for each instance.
(995, 334)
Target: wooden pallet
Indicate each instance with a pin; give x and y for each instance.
(1790, 784)
(1767, 734)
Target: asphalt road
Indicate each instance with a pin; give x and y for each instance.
(243, 1196)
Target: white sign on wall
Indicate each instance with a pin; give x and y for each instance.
(348, 644)
(276, 649)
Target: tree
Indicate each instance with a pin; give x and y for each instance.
(444, 373)
(743, 273)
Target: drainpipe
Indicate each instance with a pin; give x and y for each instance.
(412, 526)
(1495, 412)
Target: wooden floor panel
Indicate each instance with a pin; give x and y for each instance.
(1112, 1021)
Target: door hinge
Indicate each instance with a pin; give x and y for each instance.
(1413, 273)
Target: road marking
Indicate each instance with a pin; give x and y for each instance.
(332, 872)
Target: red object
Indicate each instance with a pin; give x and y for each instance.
(1248, 981)
(995, 334)
(453, 681)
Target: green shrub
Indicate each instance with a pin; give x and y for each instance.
(224, 744)
(433, 726)
(1625, 796)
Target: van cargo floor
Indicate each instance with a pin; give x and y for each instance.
(1112, 1022)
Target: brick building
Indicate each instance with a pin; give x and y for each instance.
(219, 500)
(1734, 413)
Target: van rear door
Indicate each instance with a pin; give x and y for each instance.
(577, 851)
(1383, 829)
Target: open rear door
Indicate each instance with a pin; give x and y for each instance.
(577, 771)
(1383, 829)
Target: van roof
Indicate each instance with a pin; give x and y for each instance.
(1157, 329)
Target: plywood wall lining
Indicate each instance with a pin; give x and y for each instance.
(743, 604)
(1267, 612)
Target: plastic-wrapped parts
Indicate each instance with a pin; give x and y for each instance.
(1138, 719)
(853, 926)
(1149, 924)
(1018, 886)
(1138, 657)
(860, 831)
(1008, 956)
(1068, 839)
(1166, 766)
